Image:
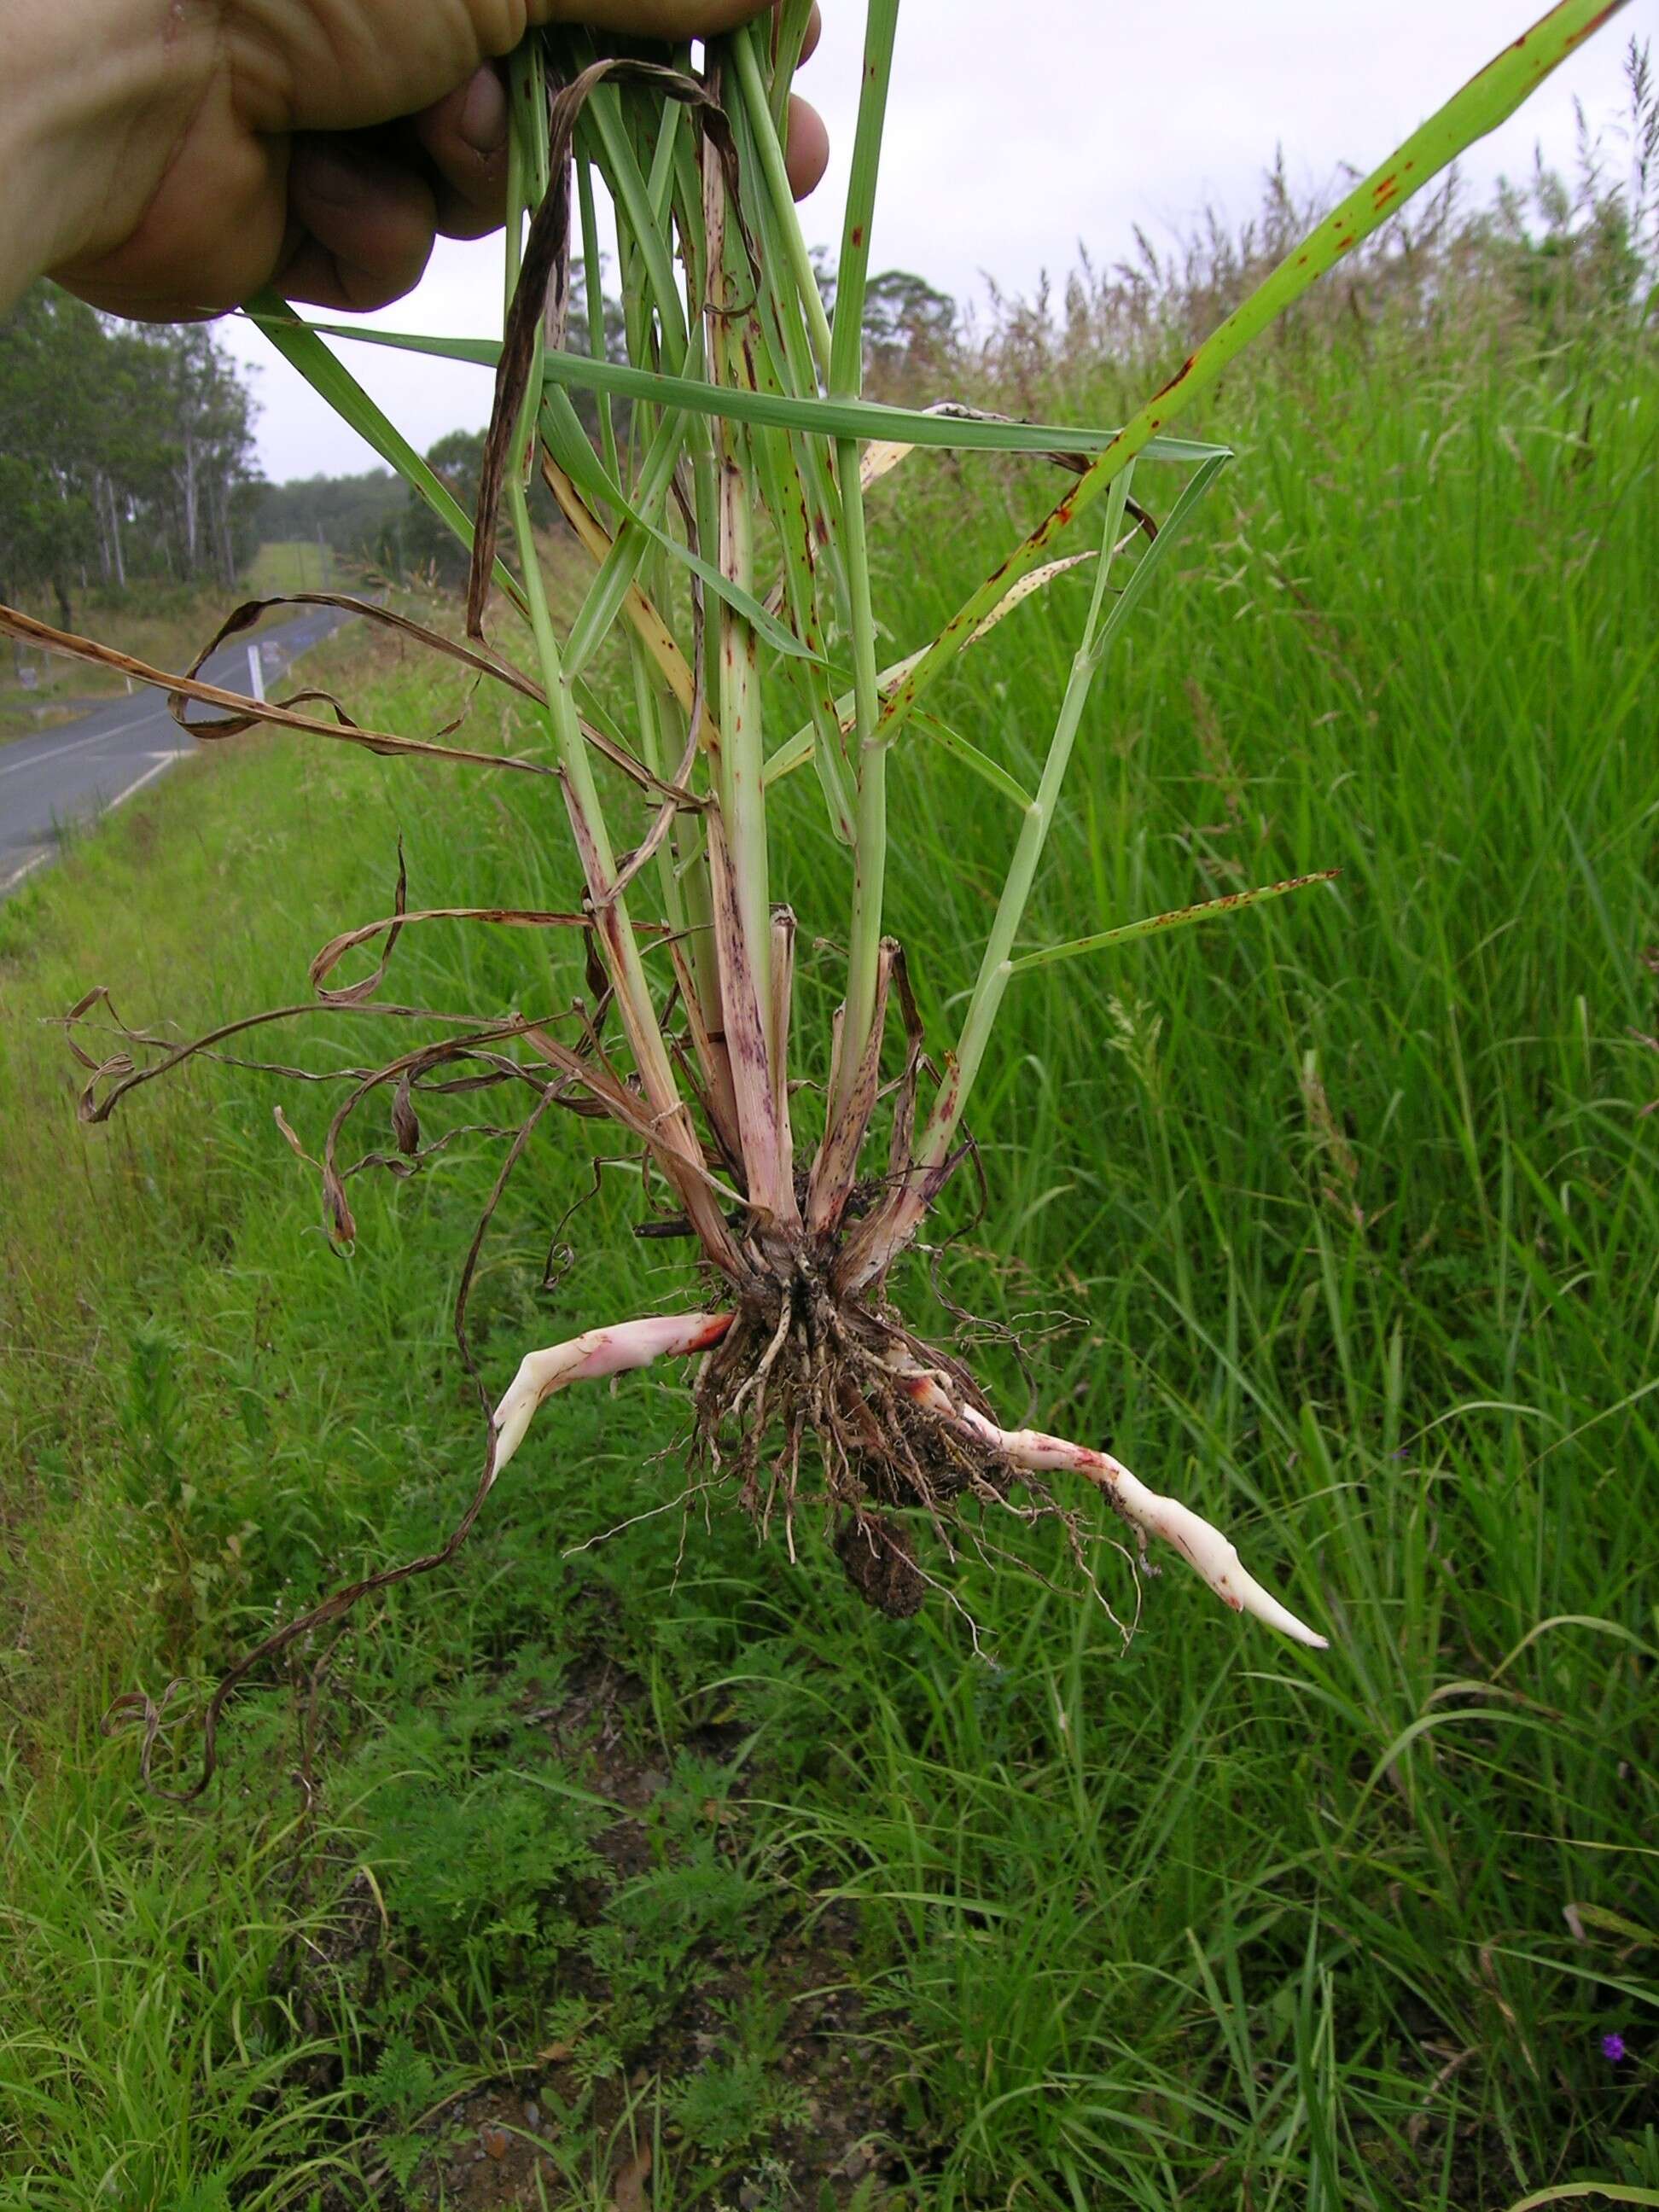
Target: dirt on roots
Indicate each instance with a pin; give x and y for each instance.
(814, 1401)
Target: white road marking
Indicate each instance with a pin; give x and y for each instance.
(152, 701)
(50, 752)
(28, 869)
(160, 763)
(42, 751)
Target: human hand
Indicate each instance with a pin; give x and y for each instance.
(175, 155)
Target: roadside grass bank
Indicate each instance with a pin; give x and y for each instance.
(750, 1895)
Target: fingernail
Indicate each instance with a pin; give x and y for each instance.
(331, 175)
(483, 121)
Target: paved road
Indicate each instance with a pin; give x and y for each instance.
(66, 777)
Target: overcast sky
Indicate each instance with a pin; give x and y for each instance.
(1016, 132)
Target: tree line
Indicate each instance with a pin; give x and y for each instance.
(127, 453)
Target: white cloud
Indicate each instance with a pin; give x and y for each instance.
(1015, 132)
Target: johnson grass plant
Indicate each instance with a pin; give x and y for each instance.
(1344, 1218)
(724, 513)
(727, 655)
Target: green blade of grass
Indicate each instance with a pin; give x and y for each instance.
(793, 18)
(867, 420)
(799, 749)
(852, 269)
(1178, 918)
(782, 241)
(1578, 2192)
(1141, 577)
(622, 563)
(778, 634)
(603, 116)
(608, 591)
(987, 769)
(776, 458)
(795, 751)
(593, 286)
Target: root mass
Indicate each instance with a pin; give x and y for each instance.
(815, 1400)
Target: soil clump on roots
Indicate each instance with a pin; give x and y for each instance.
(815, 1400)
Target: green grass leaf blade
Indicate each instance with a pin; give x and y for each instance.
(1579, 2193)
(569, 447)
(776, 460)
(778, 634)
(782, 241)
(794, 17)
(853, 269)
(867, 420)
(622, 564)
(1146, 569)
(863, 419)
(987, 769)
(1180, 917)
(593, 284)
(603, 118)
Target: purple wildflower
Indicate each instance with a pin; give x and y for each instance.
(1613, 2049)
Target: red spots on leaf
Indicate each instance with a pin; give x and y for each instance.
(1185, 369)
(858, 233)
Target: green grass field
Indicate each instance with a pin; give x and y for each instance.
(1340, 1220)
(290, 564)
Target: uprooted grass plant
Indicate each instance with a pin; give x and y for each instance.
(1354, 1212)
(723, 509)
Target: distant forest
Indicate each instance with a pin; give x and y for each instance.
(127, 454)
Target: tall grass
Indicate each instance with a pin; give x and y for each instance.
(1360, 1201)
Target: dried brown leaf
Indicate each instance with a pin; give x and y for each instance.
(537, 299)
(241, 711)
(628, 2185)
